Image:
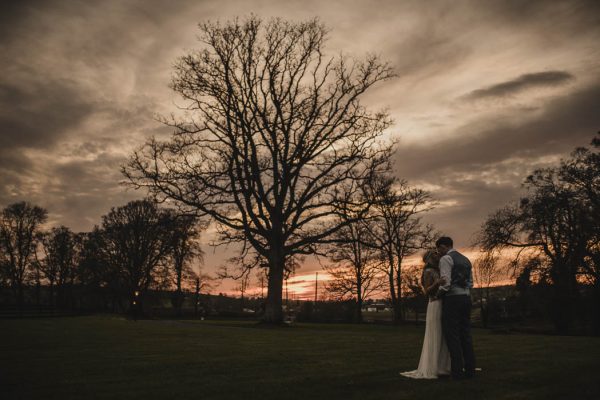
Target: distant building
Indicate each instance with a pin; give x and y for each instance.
(376, 307)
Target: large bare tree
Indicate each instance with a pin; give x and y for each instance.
(273, 129)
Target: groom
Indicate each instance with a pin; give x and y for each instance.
(457, 280)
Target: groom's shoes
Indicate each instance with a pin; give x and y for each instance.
(470, 374)
(463, 376)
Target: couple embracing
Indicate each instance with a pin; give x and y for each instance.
(447, 346)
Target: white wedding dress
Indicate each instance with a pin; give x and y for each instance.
(435, 357)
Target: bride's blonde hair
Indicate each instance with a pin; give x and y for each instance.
(431, 258)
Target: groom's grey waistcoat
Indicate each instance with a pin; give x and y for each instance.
(461, 276)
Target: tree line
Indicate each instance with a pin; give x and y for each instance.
(554, 234)
(138, 247)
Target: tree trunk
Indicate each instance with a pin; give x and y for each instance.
(197, 297)
(398, 312)
(596, 309)
(273, 312)
(359, 302)
(394, 299)
(563, 301)
(38, 288)
(485, 307)
(179, 292)
(484, 314)
(52, 301)
(19, 297)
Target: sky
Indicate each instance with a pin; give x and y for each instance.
(486, 92)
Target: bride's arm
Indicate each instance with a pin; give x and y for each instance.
(431, 284)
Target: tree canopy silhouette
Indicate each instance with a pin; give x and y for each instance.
(136, 239)
(557, 220)
(274, 141)
(19, 227)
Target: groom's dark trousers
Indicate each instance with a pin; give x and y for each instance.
(456, 326)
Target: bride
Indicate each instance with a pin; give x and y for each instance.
(435, 358)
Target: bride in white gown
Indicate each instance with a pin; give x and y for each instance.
(435, 358)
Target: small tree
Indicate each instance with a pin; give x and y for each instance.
(485, 273)
(97, 274)
(413, 288)
(136, 240)
(398, 231)
(356, 271)
(262, 278)
(19, 227)
(61, 248)
(184, 250)
(243, 284)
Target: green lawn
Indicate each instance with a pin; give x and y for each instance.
(110, 357)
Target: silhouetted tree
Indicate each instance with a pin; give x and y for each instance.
(262, 278)
(274, 129)
(412, 288)
(486, 271)
(19, 227)
(556, 220)
(185, 249)
(355, 271)
(398, 231)
(61, 248)
(242, 287)
(136, 240)
(96, 273)
(581, 172)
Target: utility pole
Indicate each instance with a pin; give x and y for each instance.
(197, 296)
(316, 285)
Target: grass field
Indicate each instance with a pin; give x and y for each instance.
(113, 358)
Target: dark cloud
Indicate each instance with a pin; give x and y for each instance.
(482, 165)
(12, 14)
(37, 113)
(474, 200)
(563, 123)
(559, 13)
(521, 84)
(85, 190)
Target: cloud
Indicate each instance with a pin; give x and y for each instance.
(560, 125)
(521, 84)
(480, 167)
(79, 84)
(37, 113)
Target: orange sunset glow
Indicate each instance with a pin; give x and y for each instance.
(483, 95)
